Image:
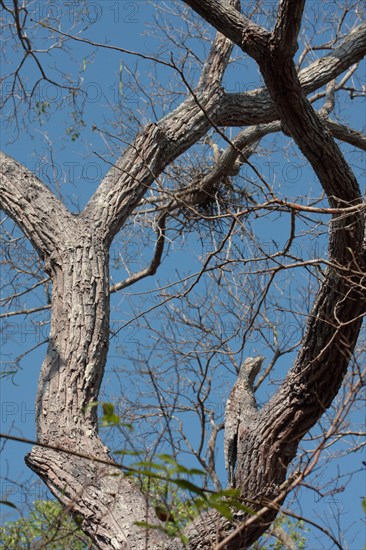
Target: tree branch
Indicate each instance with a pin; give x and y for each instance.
(251, 38)
(287, 27)
(218, 58)
(156, 146)
(335, 321)
(33, 206)
(346, 134)
(257, 107)
(155, 262)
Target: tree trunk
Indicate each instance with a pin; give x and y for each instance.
(75, 251)
(69, 383)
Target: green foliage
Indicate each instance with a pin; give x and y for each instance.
(75, 128)
(109, 418)
(48, 525)
(167, 483)
(171, 487)
(42, 110)
(177, 499)
(42, 107)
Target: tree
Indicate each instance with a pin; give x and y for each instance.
(48, 526)
(155, 181)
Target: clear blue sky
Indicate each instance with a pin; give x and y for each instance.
(107, 83)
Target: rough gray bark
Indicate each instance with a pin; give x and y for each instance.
(241, 405)
(75, 253)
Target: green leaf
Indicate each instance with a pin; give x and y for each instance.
(167, 458)
(47, 526)
(147, 525)
(108, 408)
(149, 465)
(223, 508)
(185, 484)
(109, 416)
(195, 472)
(200, 502)
(234, 493)
(91, 405)
(183, 470)
(127, 453)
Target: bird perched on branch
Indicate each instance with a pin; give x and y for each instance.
(241, 402)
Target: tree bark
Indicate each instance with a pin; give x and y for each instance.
(75, 252)
(268, 444)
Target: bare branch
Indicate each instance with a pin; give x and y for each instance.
(217, 60)
(155, 262)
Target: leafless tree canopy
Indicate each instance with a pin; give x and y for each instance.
(196, 174)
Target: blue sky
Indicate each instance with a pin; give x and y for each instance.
(69, 149)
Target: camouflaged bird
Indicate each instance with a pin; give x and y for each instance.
(241, 398)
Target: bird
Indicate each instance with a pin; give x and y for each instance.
(241, 399)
